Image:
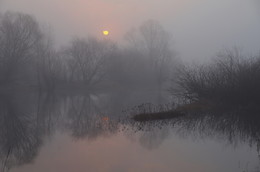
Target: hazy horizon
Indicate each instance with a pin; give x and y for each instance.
(200, 28)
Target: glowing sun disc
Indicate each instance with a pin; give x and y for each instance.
(105, 32)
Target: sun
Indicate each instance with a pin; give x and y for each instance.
(106, 32)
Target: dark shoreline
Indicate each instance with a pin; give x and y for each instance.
(157, 116)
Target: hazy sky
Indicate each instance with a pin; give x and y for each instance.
(200, 28)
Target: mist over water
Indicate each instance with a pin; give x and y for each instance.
(171, 86)
(58, 132)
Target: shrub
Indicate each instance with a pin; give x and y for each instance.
(230, 78)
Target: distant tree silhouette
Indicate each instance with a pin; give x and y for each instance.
(86, 60)
(155, 43)
(19, 37)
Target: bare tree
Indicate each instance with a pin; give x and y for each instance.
(158, 44)
(19, 35)
(50, 67)
(155, 43)
(87, 58)
(232, 78)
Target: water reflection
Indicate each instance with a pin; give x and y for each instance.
(86, 119)
(231, 125)
(27, 122)
(20, 135)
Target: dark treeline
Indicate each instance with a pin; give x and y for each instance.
(28, 58)
(230, 79)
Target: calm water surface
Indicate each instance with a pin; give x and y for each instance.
(92, 132)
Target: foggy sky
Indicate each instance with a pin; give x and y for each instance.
(200, 28)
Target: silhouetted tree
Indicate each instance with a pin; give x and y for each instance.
(86, 60)
(230, 78)
(19, 36)
(51, 69)
(155, 43)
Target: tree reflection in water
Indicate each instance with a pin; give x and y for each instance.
(20, 135)
(25, 125)
(234, 126)
(87, 120)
